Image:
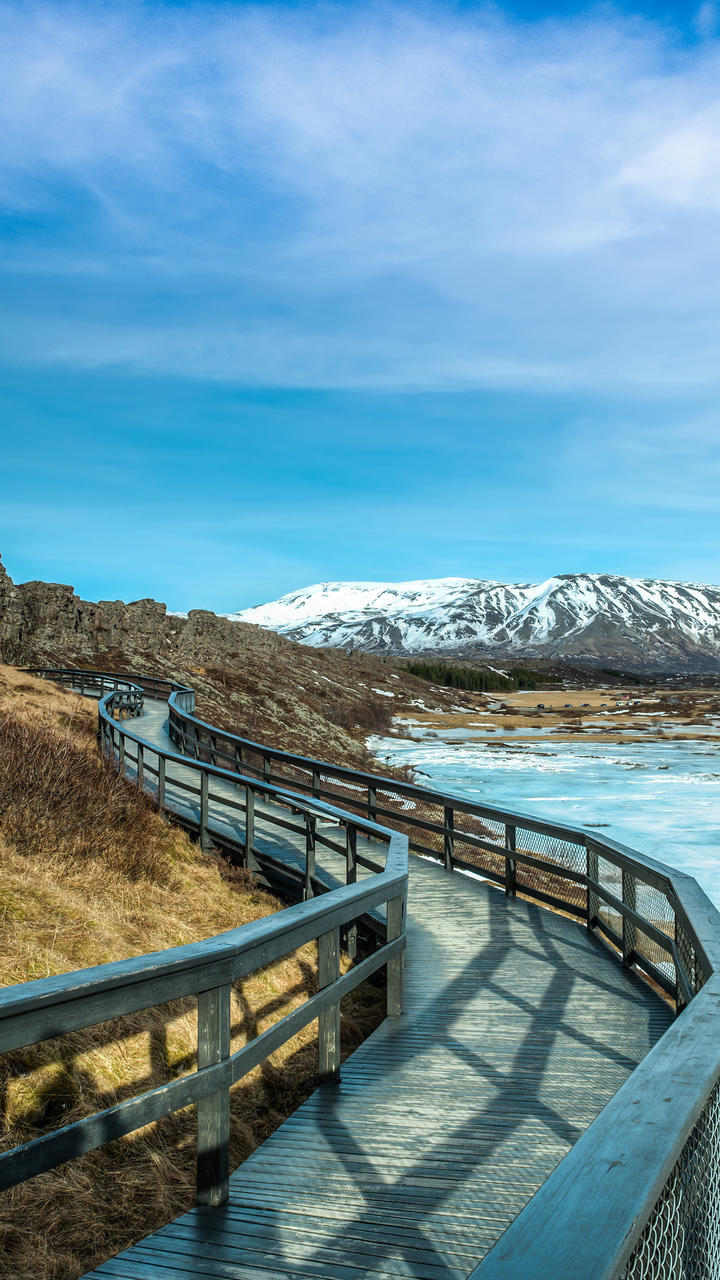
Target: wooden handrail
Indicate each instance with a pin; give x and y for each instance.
(40, 1010)
(645, 909)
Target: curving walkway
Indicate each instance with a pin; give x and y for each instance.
(518, 1028)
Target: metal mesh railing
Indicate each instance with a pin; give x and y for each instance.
(681, 1239)
(627, 900)
(650, 916)
(544, 881)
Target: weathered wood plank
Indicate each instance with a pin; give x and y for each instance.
(518, 1027)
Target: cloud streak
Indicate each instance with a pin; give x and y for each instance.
(385, 198)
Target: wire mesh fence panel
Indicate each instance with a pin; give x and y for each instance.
(681, 1240)
(391, 809)
(396, 802)
(649, 949)
(609, 876)
(552, 851)
(653, 905)
(485, 828)
(429, 811)
(292, 775)
(346, 795)
(483, 860)
(252, 762)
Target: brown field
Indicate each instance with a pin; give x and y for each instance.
(92, 873)
(610, 715)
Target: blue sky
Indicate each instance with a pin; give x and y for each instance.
(295, 293)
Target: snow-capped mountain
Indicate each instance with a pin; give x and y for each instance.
(586, 617)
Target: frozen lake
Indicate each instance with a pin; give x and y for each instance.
(662, 798)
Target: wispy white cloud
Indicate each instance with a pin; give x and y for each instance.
(707, 20)
(362, 197)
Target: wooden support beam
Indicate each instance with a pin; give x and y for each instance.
(395, 926)
(628, 924)
(510, 864)
(310, 827)
(449, 839)
(372, 803)
(593, 901)
(213, 1112)
(329, 1019)
(351, 878)
(250, 859)
(205, 840)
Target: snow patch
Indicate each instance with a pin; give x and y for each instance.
(579, 615)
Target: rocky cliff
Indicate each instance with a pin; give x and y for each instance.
(249, 680)
(47, 622)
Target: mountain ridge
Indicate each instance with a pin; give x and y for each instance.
(641, 623)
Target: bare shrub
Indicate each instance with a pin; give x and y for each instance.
(57, 797)
(370, 715)
(92, 873)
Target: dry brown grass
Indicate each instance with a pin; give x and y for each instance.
(92, 873)
(56, 796)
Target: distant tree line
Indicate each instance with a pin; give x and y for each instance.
(627, 677)
(474, 678)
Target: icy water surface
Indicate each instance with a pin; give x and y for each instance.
(662, 798)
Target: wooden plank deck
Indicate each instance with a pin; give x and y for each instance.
(518, 1028)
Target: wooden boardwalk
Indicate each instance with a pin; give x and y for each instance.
(518, 1028)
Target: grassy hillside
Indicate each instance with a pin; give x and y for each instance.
(92, 873)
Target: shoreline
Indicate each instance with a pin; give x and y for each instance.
(601, 716)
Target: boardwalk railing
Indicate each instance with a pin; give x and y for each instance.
(49, 1007)
(639, 1194)
(632, 901)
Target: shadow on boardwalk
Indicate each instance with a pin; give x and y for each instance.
(518, 1028)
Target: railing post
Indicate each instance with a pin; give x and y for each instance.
(449, 838)
(250, 860)
(686, 955)
(351, 878)
(310, 822)
(205, 841)
(316, 782)
(510, 864)
(213, 749)
(592, 871)
(161, 781)
(238, 758)
(121, 750)
(372, 803)
(329, 1019)
(140, 764)
(351, 853)
(395, 911)
(213, 1113)
(266, 768)
(629, 897)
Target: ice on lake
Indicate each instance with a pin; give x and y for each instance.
(661, 798)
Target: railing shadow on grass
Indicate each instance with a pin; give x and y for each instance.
(655, 920)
